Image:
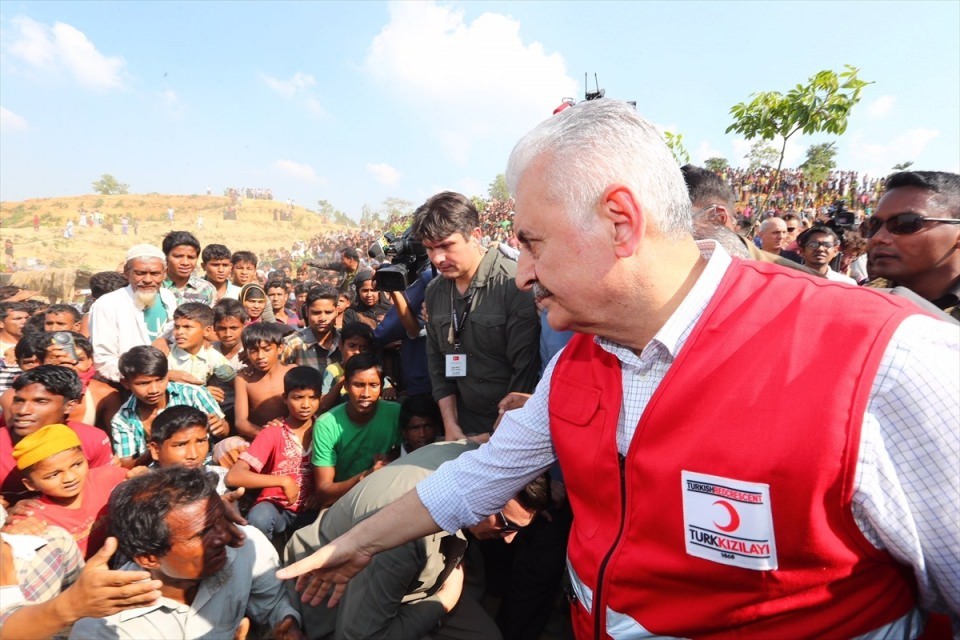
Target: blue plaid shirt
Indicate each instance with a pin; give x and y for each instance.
(128, 435)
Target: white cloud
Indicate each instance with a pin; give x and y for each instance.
(296, 170)
(473, 80)
(881, 106)
(384, 173)
(876, 158)
(314, 107)
(704, 151)
(171, 103)
(298, 83)
(10, 121)
(64, 48)
(793, 156)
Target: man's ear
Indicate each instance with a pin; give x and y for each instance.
(154, 451)
(147, 561)
(69, 406)
(476, 234)
(209, 334)
(29, 485)
(619, 206)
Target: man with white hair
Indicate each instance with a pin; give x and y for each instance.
(701, 509)
(134, 315)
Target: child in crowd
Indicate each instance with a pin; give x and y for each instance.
(228, 320)
(244, 270)
(278, 295)
(318, 344)
(192, 360)
(180, 437)
(278, 461)
(259, 388)
(74, 497)
(369, 306)
(354, 439)
(144, 372)
(215, 260)
(253, 297)
(45, 395)
(355, 337)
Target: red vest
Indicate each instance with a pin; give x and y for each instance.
(770, 387)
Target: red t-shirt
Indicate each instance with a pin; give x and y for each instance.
(86, 524)
(94, 442)
(277, 451)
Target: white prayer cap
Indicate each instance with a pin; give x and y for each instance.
(144, 251)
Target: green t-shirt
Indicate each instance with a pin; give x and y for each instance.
(348, 447)
(155, 316)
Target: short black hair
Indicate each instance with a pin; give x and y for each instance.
(32, 344)
(423, 406)
(444, 214)
(196, 311)
(361, 362)
(275, 283)
(356, 329)
(269, 332)
(60, 381)
(320, 292)
(215, 252)
(243, 256)
(350, 252)
(229, 308)
(174, 419)
(143, 360)
(179, 239)
(63, 308)
(945, 185)
(139, 507)
(105, 282)
(535, 495)
(705, 188)
(806, 235)
(302, 378)
(21, 305)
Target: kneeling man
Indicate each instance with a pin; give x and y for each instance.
(172, 523)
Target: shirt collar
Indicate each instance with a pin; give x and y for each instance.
(671, 336)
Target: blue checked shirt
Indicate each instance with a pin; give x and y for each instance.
(128, 435)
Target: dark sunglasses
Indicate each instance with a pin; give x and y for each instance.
(504, 525)
(901, 224)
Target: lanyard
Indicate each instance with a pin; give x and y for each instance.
(458, 322)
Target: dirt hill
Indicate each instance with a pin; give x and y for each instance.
(99, 248)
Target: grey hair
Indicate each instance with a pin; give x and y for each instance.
(602, 142)
(768, 222)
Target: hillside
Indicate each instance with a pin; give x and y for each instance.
(100, 248)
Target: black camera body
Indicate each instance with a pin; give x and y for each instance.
(408, 258)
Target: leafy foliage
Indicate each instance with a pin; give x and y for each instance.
(716, 164)
(903, 166)
(498, 188)
(108, 185)
(762, 154)
(820, 160)
(675, 144)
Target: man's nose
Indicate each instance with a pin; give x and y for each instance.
(525, 273)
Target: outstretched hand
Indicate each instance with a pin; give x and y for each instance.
(100, 591)
(326, 571)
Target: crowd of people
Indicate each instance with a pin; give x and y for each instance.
(609, 394)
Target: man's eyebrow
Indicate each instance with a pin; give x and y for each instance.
(525, 236)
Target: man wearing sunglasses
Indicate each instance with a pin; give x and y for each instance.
(820, 246)
(913, 238)
(417, 588)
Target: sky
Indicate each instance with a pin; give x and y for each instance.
(357, 102)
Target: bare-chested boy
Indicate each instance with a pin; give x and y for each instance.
(259, 388)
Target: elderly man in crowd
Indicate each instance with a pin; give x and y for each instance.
(835, 516)
(172, 523)
(134, 315)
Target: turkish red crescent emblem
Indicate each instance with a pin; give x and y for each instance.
(734, 523)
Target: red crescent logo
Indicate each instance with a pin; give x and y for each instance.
(734, 523)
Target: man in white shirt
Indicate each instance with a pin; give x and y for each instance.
(819, 246)
(134, 315)
(688, 541)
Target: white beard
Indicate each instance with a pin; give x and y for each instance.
(144, 299)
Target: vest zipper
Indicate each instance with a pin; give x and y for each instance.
(598, 618)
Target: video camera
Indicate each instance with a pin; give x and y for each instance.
(408, 258)
(841, 218)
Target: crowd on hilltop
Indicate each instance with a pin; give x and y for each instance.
(211, 417)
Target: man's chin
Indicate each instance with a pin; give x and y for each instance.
(144, 298)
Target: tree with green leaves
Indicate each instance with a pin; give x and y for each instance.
(108, 185)
(716, 164)
(675, 144)
(822, 105)
(761, 155)
(903, 166)
(820, 160)
(498, 188)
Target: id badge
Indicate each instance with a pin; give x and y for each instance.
(456, 365)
